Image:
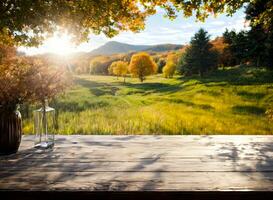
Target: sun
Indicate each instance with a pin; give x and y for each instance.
(59, 44)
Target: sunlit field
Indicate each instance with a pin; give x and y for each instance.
(229, 101)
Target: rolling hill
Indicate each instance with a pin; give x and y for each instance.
(114, 47)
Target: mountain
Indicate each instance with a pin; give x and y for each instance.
(114, 47)
(164, 47)
(117, 47)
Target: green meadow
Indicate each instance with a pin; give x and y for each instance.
(229, 101)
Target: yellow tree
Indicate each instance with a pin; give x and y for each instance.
(142, 65)
(119, 68)
(169, 69)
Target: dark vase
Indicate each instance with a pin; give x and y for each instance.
(10, 130)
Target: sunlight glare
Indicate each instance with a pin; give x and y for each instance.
(59, 44)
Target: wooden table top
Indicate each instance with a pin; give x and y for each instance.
(142, 163)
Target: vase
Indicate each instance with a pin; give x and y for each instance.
(44, 127)
(10, 129)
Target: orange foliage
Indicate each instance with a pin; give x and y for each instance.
(142, 65)
(24, 79)
(220, 46)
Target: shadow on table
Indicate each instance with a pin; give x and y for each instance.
(249, 157)
(42, 169)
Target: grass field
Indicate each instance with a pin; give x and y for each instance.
(230, 101)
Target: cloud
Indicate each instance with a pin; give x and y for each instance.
(217, 23)
(238, 25)
(188, 25)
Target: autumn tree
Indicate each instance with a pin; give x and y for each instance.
(142, 65)
(80, 66)
(27, 21)
(100, 64)
(95, 67)
(119, 68)
(160, 64)
(169, 69)
(173, 57)
(171, 64)
(24, 79)
(219, 45)
(199, 58)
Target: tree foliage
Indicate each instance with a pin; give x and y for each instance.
(269, 114)
(27, 79)
(257, 45)
(238, 46)
(261, 33)
(142, 65)
(160, 64)
(199, 57)
(172, 61)
(174, 57)
(100, 64)
(27, 21)
(169, 69)
(254, 46)
(119, 68)
(80, 66)
(219, 45)
(21, 17)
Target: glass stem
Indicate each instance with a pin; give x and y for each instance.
(44, 121)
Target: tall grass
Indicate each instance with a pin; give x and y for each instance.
(229, 101)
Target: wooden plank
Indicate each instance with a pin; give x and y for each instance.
(142, 163)
(136, 195)
(148, 165)
(137, 181)
(95, 139)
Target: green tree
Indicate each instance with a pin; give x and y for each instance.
(228, 51)
(253, 46)
(199, 58)
(142, 65)
(269, 51)
(257, 44)
(119, 68)
(240, 46)
(260, 37)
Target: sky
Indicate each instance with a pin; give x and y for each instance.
(158, 30)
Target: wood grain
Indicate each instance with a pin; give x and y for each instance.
(142, 163)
